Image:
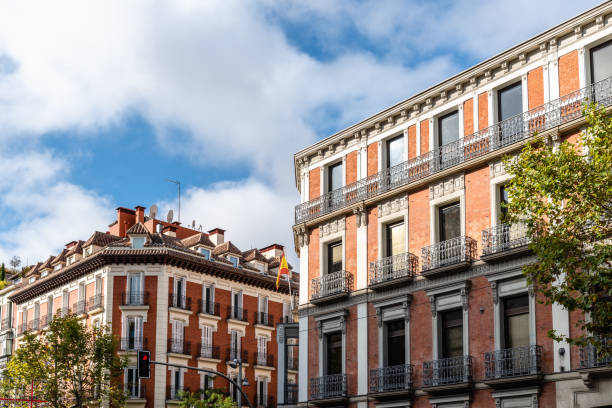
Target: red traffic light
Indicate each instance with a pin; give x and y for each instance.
(144, 357)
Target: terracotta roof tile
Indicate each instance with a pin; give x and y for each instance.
(198, 239)
(137, 228)
(254, 255)
(227, 247)
(77, 248)
(60, 258)
(101, 239)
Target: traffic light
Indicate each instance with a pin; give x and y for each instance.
(144, 364)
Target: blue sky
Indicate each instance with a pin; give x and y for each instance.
(101, 102)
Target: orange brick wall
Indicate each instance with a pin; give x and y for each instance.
(313, 349)
(468, 117)
(412, 142)
(351, 349)
(483, 111)
(535, 87)
(477, 204)
(424, 136)
(480, 324)
(351, 245)
(569, 80)
(372, 158)
(420, 334)
(543, 325)
(73, 297)
(313, 257)
(351, 167)
(418, 221)
(372, 235)
(315, 183)
(372, 337)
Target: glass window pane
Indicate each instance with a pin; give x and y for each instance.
(334, 353)
(452, 333)
(448, 128)
(334, 254)
(516, 321)
(395, 151)
(335, 177)
(601, 62)
(510, 100)
(395, 239)
(450, 222)
(396, 345)
(503, 199)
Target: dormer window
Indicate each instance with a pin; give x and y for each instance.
(206, 253)
(45, 273)
(32, 279)
(233, 260)
(71, 259)
(138, 242)
(56, 268)
(88, 250)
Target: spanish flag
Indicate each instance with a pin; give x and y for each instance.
(283, 269)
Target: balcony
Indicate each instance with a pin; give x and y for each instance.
(237, 354)
(45, 320)
(95, 302)
(136, 392)
(391, 381)
(179, 346)
(208, 351)
(134, 298)
(503, 241)
(264, 401)
(64, 311)
(502, 134)
(393, 270)
(330, 287)
(514, 366)
(453, 373)
(265, 360)
(78, 308)
(452, 255)
(179, 302)
(264, 319)
(330, 389)
(209, 308)
(596, 361)
(33, 325)
(132, 344)
(22, 328)
(237, 313)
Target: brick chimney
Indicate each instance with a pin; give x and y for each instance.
(140, 213)
(272, 251)
(169, 230)
(125, 219)
(217, 236)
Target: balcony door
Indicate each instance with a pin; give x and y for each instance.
(395, 157)
(448, 132)
(395, 245)
(134, 289)
(452, 333)
(516, 321)
(601, 62)
(510, 104)
(333, 353)
(334, 257)
(396, 344)
(334, 183)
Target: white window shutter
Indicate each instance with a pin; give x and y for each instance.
(138, 335)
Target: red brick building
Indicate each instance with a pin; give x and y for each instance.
(412, 293)
(190, 297)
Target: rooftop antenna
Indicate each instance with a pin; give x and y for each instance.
(178, 183)
(193, 224)
(153, 211)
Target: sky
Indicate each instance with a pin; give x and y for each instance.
(102, 101)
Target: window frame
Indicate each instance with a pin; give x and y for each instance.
(329, 175)
(328, 255)
(598, 45)
(439, 223)
(387, 145)
(438, 122)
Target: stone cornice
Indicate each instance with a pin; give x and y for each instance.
(455, 86)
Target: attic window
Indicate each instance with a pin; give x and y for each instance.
(233, 260)
(57, 267)
(32, 279)
(138, 242)
(71, 259)
(206, 253)
(88, 250)
(45, 273)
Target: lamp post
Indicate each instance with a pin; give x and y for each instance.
(237, 362)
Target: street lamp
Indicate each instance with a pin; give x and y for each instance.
(243, 382)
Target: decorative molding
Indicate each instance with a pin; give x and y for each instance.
(343, 324)
(406, 307)
(494, 292)
(446, 186)
(432, 301)
(392, 206)
(464, 298)
(320, 328)
(379, 316)
(303, 235)
(361, 215)
(332, 227)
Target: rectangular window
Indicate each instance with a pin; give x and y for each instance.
(131, 382)
(138, 242)
(396, 345)
(206, 253)
(134, 333)
(237, 305)
(233, 260)
(134, 286)
(334, 353)
(235, 344)
(395, 234)
(449, 218)
(601, 62)
(395, 151)
(452, 333)
(263, 309)
(207, 382)
(209, 299)
(179, 292)
(207, 341)
(503, 202)
(262, 350)
(510, 101)
(334, 257)
(178, 382)
(448, 128)
(516, 321)
(334, 177)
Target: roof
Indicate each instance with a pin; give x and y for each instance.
(137, 229)
(101, 239)
(198, 239)
(254, 255)
(227, 248)
(60, 258)
(78, 248)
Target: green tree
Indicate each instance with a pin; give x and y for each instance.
(563, 194)
(2, 272)
(210, 399)
(70, 363)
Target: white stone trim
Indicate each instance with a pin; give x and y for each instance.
(517, 398)
(362, 348)
(303, 373)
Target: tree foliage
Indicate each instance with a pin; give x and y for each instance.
(207, 399)
(70, 364)
(563, 193)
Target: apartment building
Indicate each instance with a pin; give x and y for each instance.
(412, 293)
(191, 298)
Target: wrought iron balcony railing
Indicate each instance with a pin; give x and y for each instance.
(328, 386)
(180, 301)
(22, 328)
(64, 311)
(7, 323)
(132, 344)
(179, 346)
(95, 302)
(392, 268)
(33, 324)
(447, 371)
(209, 308)
(391, 379)
(291, 393)
(513, 362)
(264, 319)
(336, 283)
(134, 298)
(78, 308)
(501, 134)
(591, 358)
(237, 313)
(237, 354)
(45, 320)
(264, 359)
(504, 237)
(453, 251)
(208, 351)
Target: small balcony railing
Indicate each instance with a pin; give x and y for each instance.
(208, 351)
(64, 311)
(136, 392)
(95, 302)
(22, 328)
(504, 237)
(209, 308)
(180, 301)
(591, 358)
(264, 359)
(179, 346)
(232, 354)
(237, 313)
(135, 298)
(331, 284)
(455, 251)
(33, 325)
(264, 401)
(291, 393)
(78, 308)
(392, 268)
(447, 371)
(174, 393)
(264, 319)
(132, 344)
(7, 324)
(495, 137)
(45, 320)
(513, 362)
(328, 386)
(391, 379)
